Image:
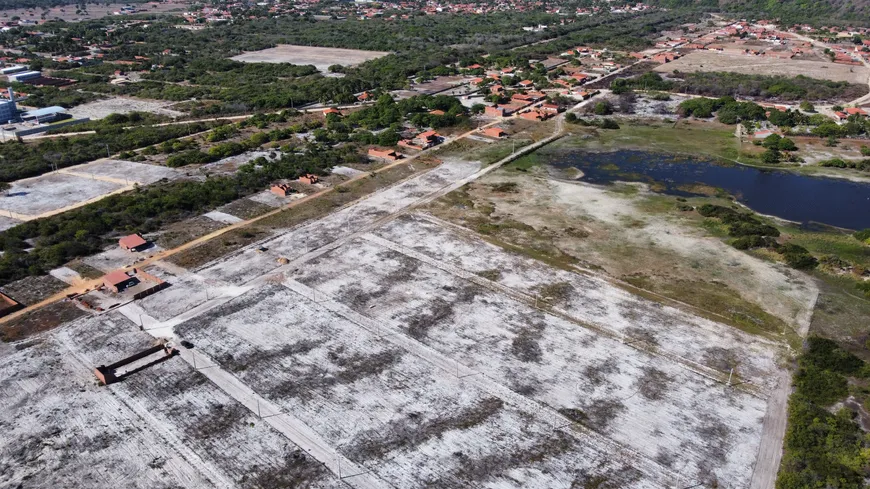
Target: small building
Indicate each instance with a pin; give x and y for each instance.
(526, 83)
(133, 242)
(383, 154)
(282, 190)
(331, 110)
(551, 108)
(118, 280)
(8, 305)
(309, 179)
(494, 132)
(494, 111)
(856, 111)
(534, 115)
(46, 114)
(429, 138)
(437, 112)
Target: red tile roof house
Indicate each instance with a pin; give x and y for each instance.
(763, 133)
(331, 110)
(384, 154)
(841, 116)
(494, 111)
(551, 108)
(282, 190)
(308, 179)
(410, 144)
(526, 83)
(534, 115)
(133, 242)
(856, 111)
(118, 280)
(494, 132)
(436, 112)
(430, 137)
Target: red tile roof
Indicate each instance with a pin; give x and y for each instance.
(132, 241)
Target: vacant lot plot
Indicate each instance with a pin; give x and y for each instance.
(127, 171)
(402, 351)
(123, 105)
(759, 65)
(166, 426)
(321, 58)
(388, 409)
(51, 192)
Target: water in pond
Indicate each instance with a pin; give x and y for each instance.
(788, 195)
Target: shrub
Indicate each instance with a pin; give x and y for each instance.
(771, 157)
(820, 386)
(800, 261)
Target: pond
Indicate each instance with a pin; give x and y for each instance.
(780, 193)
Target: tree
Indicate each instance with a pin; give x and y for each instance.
(603, 108)
(786, 144)
(772, 141)
(770, 157)
(807, 107)
(865, 150)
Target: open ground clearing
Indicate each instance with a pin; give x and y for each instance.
(123, 105)
(52, 192)
(403, 351)
(165, 426)
(127, 171)
(321, 58)
(707, 61)
(638, 237)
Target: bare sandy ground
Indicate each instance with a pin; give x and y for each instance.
(707, 61)
(321, 58)
(123, 105)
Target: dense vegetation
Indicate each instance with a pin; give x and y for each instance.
(191, 65)
(84, 231)
(762, 87)
(824, 449)
(750, 233)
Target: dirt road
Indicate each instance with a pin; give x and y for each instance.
(162, 255)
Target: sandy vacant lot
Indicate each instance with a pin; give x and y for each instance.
(123, 105)
(387, 348)
(707, 61)
(52, 191)
(321, 58)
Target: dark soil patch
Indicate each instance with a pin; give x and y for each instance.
(41, 320)
(525, 345)
(653, 384)
(31, 290)
(408, 433)
(245, 208)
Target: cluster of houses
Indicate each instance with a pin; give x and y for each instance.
(845, 114)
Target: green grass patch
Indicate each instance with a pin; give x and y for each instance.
(711, 297)
(525, 162)
(830, 242)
